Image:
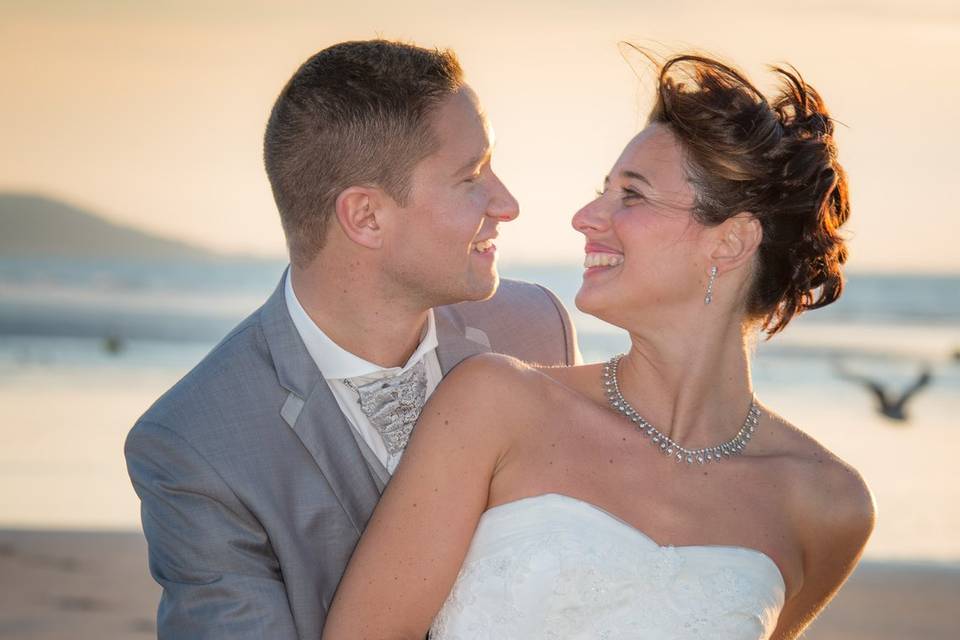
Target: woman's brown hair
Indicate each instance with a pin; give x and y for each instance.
(775, 159)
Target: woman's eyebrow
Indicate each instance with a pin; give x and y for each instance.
(636, 176)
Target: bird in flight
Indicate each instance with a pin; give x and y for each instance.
(891, 405)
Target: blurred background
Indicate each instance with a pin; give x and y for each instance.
(137, 227)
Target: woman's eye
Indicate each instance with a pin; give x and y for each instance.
(625, 194)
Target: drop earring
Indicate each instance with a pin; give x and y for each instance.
(713, 277)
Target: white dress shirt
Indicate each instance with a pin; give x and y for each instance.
(336, 364)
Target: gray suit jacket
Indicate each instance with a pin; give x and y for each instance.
(254, 489)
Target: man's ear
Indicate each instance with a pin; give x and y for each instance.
(736, 241)
(357, 210)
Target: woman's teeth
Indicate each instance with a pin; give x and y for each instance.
(483, 247)
(602, 260)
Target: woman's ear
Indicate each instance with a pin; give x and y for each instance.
(357, 210)
(737, 240)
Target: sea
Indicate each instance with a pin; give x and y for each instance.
(87, 345)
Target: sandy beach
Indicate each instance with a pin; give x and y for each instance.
(85, 585)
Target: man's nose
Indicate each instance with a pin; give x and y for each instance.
(503, 206)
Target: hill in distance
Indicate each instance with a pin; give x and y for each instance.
(35, 226)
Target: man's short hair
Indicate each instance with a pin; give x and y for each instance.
(356, 113)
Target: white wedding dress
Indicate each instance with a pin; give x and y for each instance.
(552, 567)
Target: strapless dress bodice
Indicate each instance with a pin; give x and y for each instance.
(553, 567)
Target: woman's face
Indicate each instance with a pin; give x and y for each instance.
(644, 251)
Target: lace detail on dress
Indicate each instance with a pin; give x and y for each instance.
(553, 567)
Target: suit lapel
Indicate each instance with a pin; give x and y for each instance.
(327, 435)
(314, 415)
(379, 472)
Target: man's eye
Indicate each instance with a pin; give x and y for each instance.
(630, 194)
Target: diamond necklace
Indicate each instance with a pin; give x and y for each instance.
(667, 445)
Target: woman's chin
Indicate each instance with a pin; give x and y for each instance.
(587, 301)
(603, 305)
(580, 301)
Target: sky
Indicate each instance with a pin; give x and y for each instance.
(153, 113)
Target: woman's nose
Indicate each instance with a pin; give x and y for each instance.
(591, 217)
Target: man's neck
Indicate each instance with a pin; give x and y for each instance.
(353, 313)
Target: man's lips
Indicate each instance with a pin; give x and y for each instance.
(484, 246)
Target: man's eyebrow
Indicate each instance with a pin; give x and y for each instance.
(475, 161)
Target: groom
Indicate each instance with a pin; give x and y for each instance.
(258, 471)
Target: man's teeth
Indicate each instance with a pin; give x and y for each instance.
(484, 246)
(602, 260)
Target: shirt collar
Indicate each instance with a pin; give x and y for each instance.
(335, 362)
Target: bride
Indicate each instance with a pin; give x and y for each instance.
(651, 496)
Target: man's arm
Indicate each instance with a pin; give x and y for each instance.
(569, 330)
(219, 574)
(526, 321)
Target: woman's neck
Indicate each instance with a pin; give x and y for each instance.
(692, 385)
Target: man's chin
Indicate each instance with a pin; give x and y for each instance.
(484, 290)
(476, 289)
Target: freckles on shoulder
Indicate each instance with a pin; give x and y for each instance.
(485, 386)
(835, 500)
(852, 500)
(493, 372)
(829, 496)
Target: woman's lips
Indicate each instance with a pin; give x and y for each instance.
(602, 259)
(601, 256)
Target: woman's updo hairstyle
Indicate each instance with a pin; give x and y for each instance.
(776, 160)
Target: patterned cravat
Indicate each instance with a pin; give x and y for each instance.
(393, 404)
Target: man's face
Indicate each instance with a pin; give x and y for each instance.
(440, 248)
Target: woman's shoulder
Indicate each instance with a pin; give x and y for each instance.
(487, 403)
(498, 370)
(493, 370)
(490, 384)
(829, 497)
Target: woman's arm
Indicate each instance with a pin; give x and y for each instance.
(836, 520)
(416, 540)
